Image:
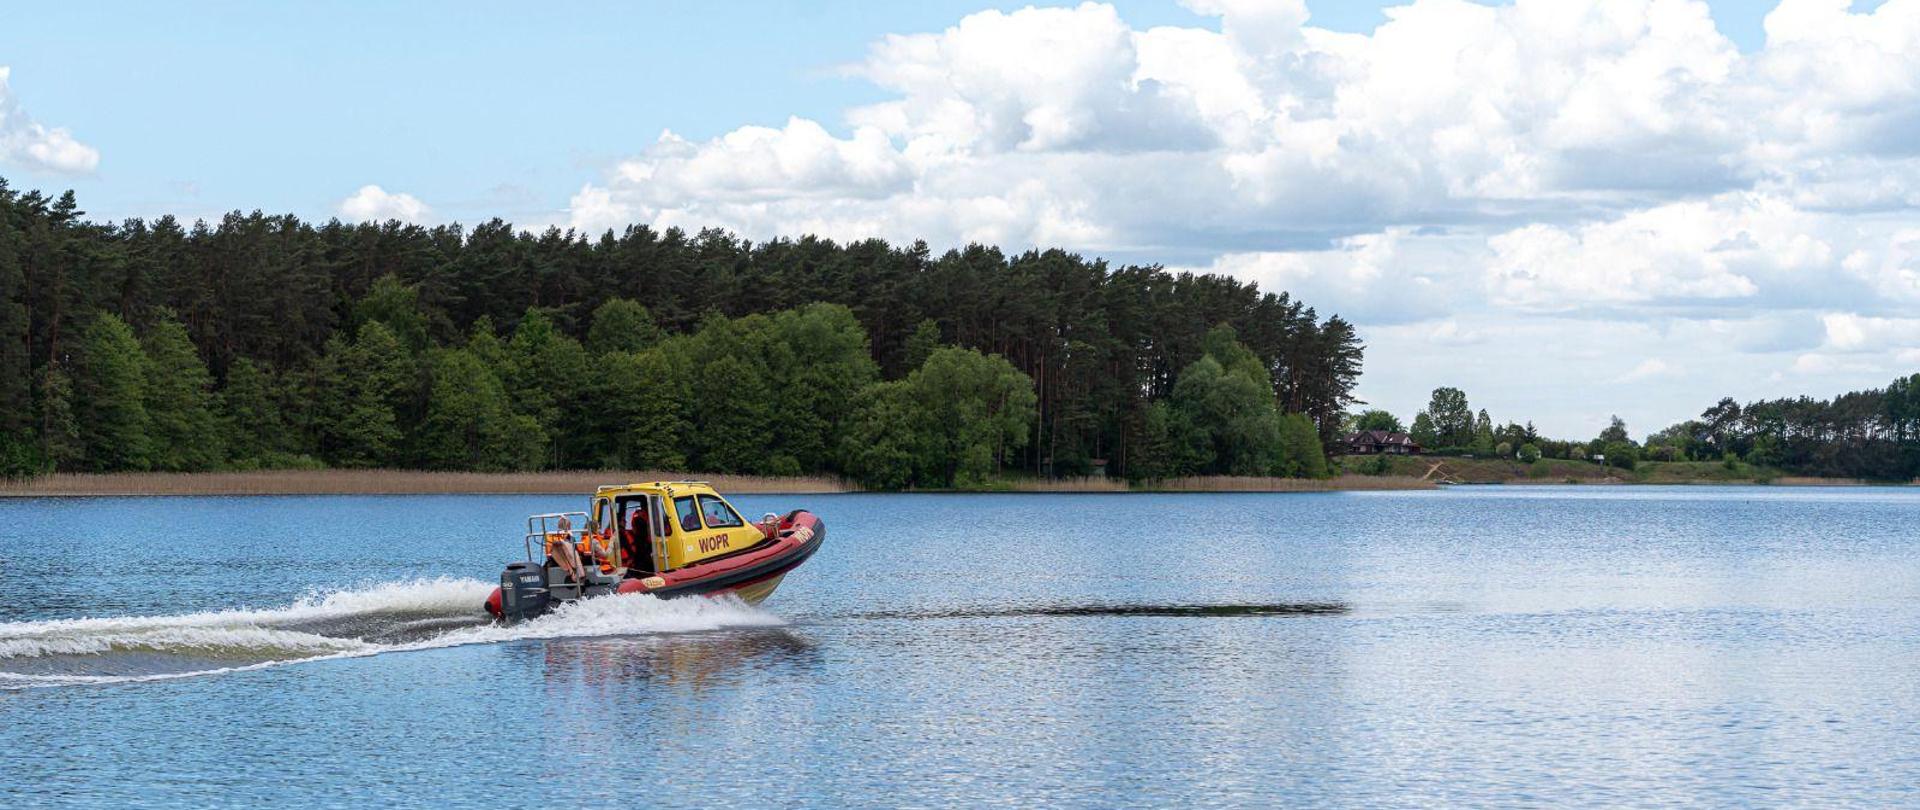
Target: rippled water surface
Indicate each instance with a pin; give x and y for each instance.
(1476, 646)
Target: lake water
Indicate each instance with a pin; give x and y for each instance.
(1474, 646)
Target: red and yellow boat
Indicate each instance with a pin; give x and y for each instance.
(666, 538)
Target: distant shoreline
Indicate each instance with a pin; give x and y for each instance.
(1468, 471)
(580, 482)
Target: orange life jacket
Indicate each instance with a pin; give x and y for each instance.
(587, 542)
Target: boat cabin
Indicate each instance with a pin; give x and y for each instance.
(656, 527)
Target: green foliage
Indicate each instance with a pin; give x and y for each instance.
(1155, 448)
(183, 422)
(643, 406)
(1452, 420)
(255, 427)
(920, 345)
(469, 423)
(735, 427)
(1423, 431)
(1483, 434)
(1224, 401)
(980, 407)
(396, 305)
(950, 423)
(621, 325)
(1529, 453)
(109, 402)
(816, 359)
(546, 374)
(61, 445)
(1378, 420)
(1616, 432)
(889, 441)
(1503, 450)
(1621, 454)
(359, 388)
(1301, 455)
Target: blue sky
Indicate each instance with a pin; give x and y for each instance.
(486, 108)
(1543, 203)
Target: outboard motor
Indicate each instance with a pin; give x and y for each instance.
(523, 592)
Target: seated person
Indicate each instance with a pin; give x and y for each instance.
(560, 551)
(599, 547)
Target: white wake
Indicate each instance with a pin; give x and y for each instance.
(389, 617)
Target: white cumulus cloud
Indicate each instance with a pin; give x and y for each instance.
(28, 143)
(375, 204)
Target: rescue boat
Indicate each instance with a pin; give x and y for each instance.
(666, 538)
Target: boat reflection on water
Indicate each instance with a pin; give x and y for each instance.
(695, 662)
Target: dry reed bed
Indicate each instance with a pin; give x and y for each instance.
(1227, 483)
(1339, 483)
(423, 482)
(392, 482)
(1809, 481)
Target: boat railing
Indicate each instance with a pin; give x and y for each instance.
(540, 526)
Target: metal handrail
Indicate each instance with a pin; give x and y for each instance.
(579, 520)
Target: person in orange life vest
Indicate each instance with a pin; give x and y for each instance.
(561, 551)
(595, 545)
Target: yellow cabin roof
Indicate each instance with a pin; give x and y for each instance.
(668, 488)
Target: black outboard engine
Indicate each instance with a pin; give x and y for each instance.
(523, 592)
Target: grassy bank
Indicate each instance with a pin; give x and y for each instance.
(420, 482)
(1563, 471)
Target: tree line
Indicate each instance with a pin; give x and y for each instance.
(1873, 434)
(265, 341)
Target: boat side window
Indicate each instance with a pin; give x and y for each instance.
(718, 514)
(689, 514)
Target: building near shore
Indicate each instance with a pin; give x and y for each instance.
(1379, 442)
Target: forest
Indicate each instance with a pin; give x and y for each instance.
(265, 341)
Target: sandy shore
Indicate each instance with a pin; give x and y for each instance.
(421, 482)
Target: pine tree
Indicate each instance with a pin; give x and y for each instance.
(61, 447)
(109, 384)
(362, 386)
(256, 432)
(18, 454)
(184, 426)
